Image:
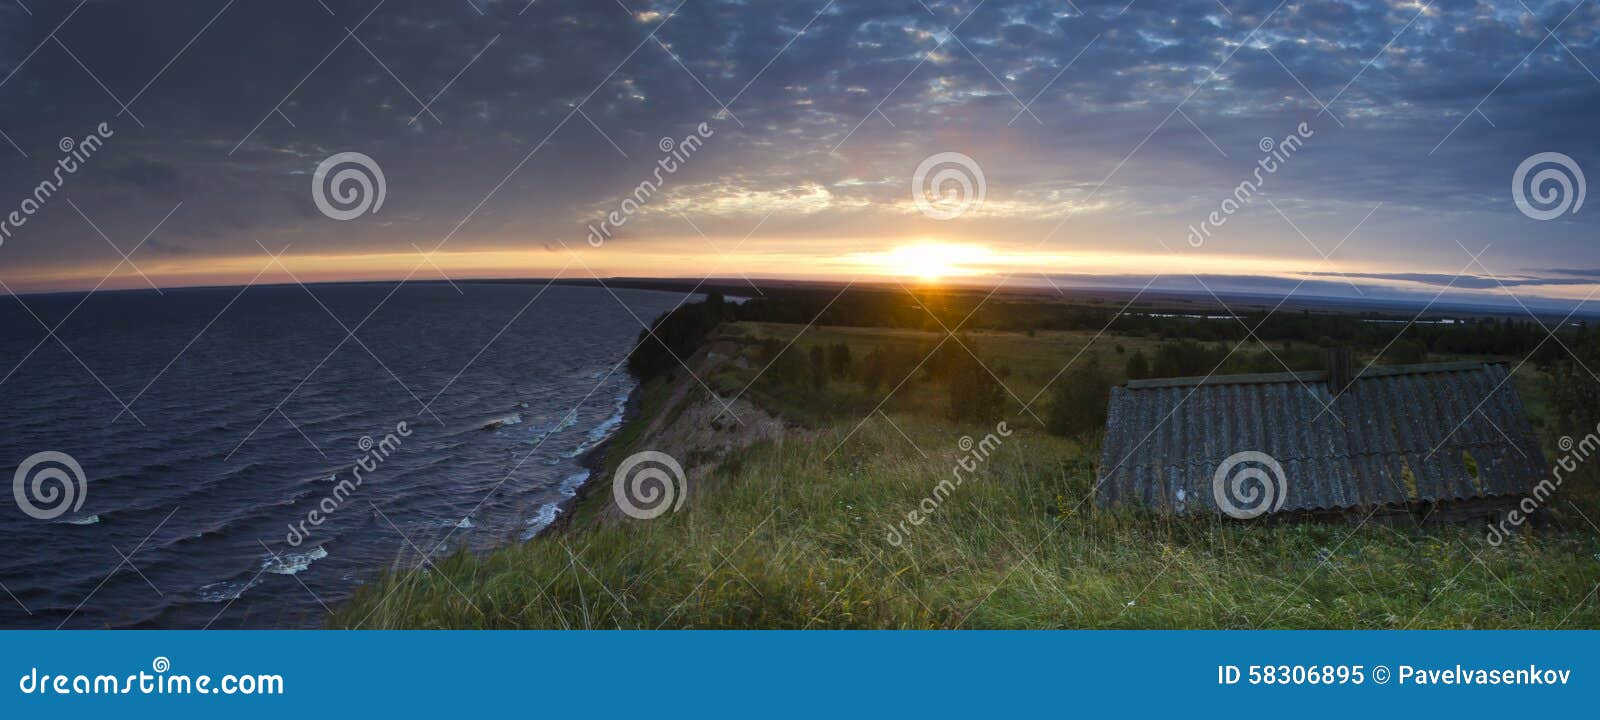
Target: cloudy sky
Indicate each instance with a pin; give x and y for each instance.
(1103, 137)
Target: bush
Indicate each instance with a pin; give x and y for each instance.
(819, 367)
(839, 360)
(975, 395)
(873, 369)
(1078, 402)
(675, 335)
(1138, 366)
(1574, 395)
(1405, 352)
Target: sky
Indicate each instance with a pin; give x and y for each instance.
(1060, 144)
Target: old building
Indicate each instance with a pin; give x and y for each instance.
(1441, 441)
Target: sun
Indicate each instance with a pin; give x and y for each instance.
(932, 262)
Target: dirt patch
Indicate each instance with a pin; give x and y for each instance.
(701, 430)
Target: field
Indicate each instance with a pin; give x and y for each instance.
(806, 529)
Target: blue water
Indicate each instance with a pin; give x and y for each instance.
(247, 408)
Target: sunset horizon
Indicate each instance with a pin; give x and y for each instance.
(1269, 329)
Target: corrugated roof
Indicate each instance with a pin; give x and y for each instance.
(1387, 440)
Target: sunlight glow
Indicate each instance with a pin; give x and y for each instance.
(931, 262)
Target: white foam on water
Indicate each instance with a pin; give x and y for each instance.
(569, 486)
(503, 421)
(548, 511)
(226, 590)
(566, 422)
(294, 563)
(546, 516)
(603, 432)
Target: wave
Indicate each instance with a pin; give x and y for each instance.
(607, 427)
(502, 421)
(569, 486)
(547, 512)
(546, 515)
(293, 563)
(465, 524)
(566, 422)
(81, 520)
(226, 590)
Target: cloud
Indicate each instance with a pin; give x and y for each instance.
(1097, 123)
(1474, 282)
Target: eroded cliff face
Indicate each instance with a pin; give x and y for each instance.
(700, 429)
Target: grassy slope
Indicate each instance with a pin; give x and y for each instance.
(795, 537)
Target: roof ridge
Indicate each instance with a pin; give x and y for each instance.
(1311, 376)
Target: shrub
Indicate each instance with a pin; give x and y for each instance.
(819, 367)
(975, 395)
(675, 335)
(839, 360)
(1138, 366)
(1078, 402)
(873, 368)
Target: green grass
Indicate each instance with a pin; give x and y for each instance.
(792, 534)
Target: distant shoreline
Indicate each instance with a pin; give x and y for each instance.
(1126, 291)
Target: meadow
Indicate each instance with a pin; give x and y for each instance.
(799, 530)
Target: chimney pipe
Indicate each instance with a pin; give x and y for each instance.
(1339, 372)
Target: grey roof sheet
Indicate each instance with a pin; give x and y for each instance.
(1165, 439)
